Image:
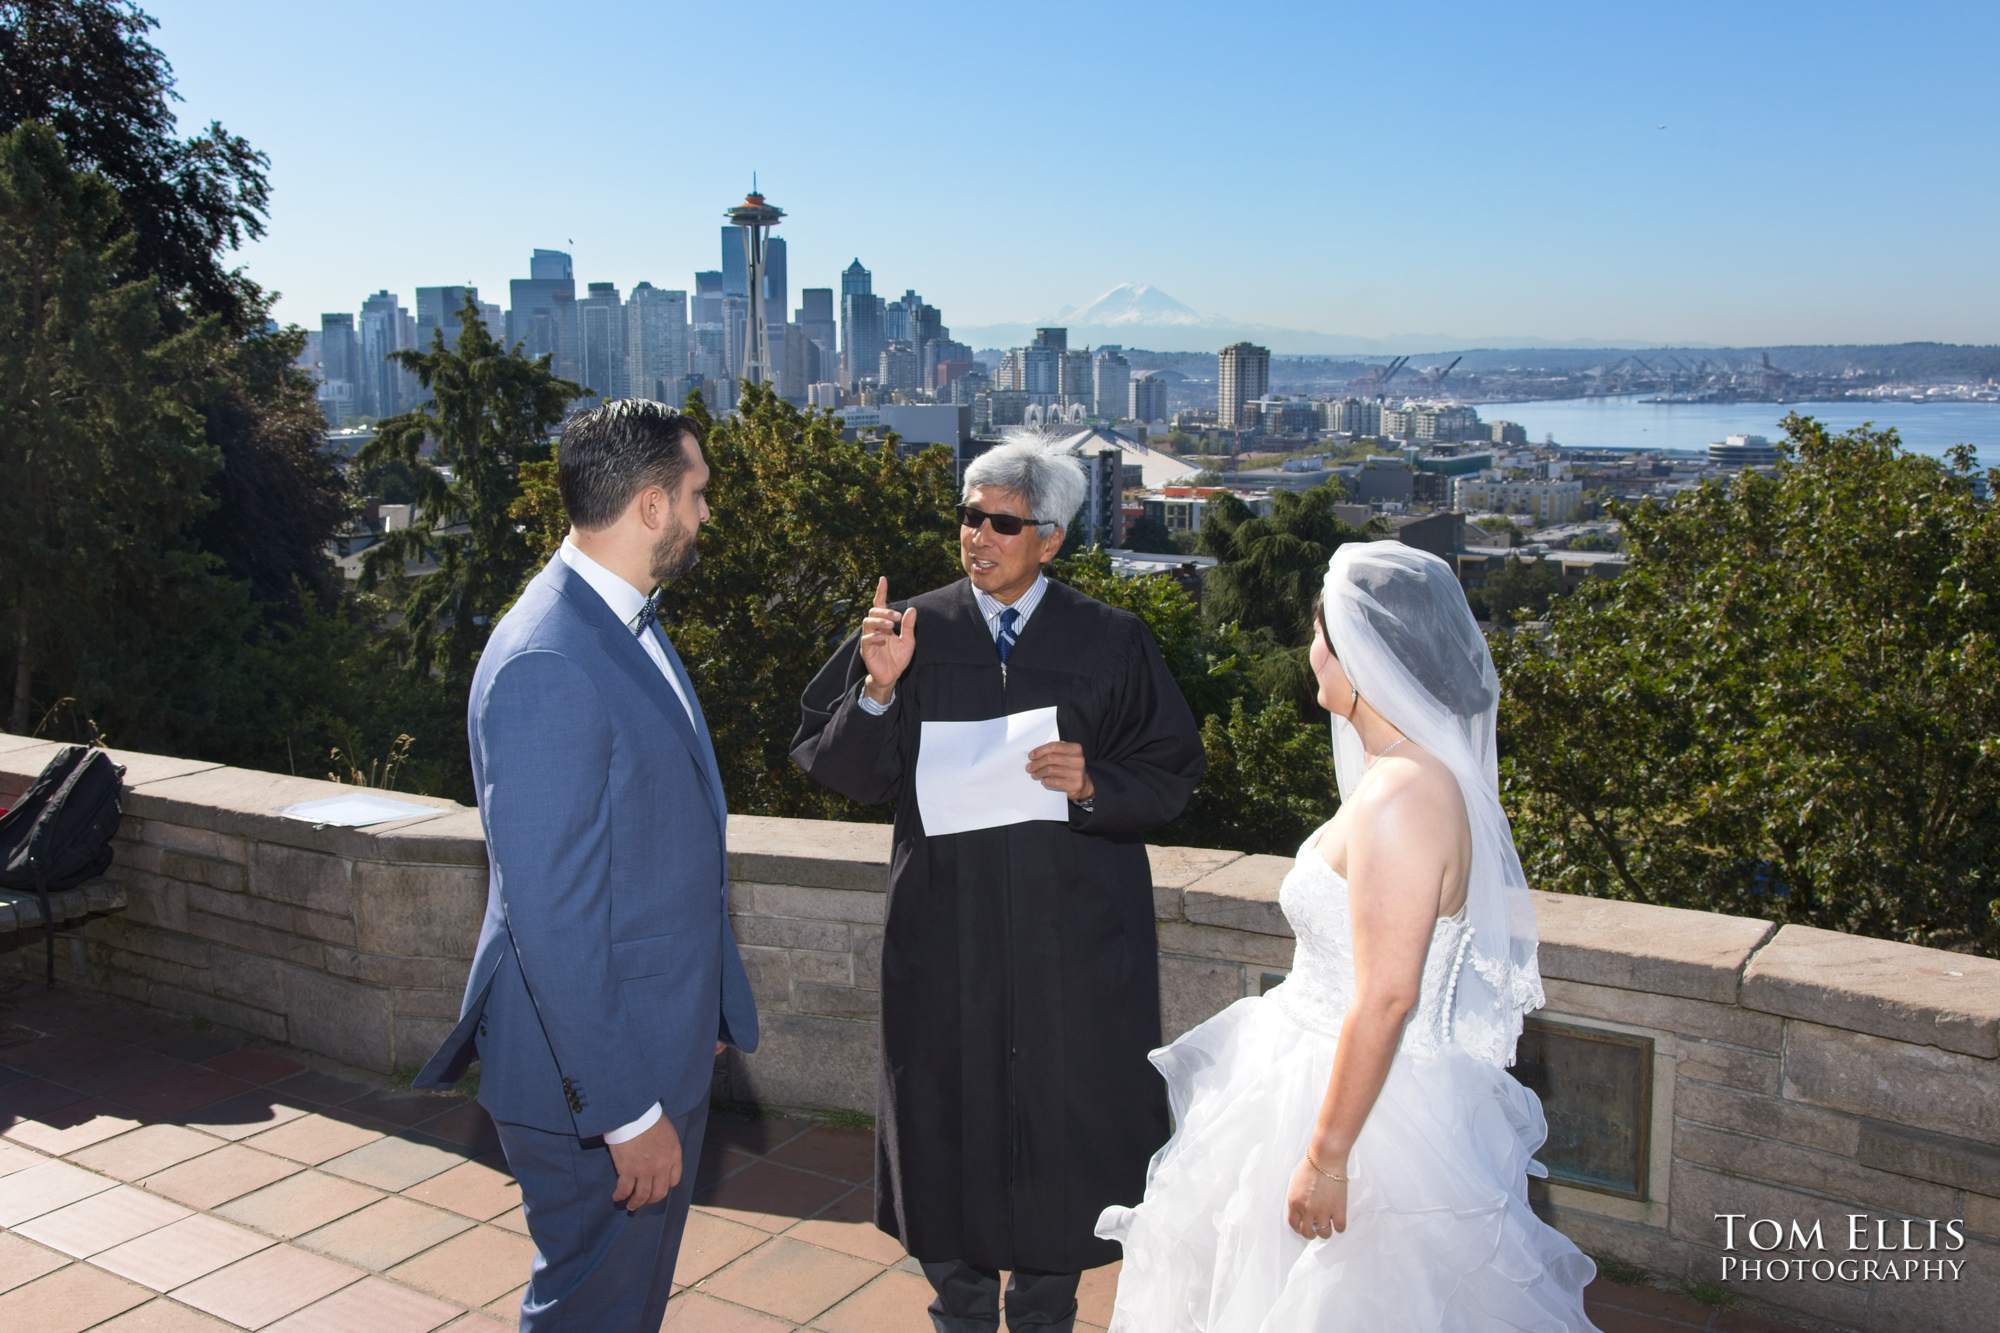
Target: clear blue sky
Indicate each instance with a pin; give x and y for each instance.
(1825, 173)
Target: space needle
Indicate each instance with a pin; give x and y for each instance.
(756, 218)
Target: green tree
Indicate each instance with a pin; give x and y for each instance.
(86, 69)
(1788, 705)
(1519, 587)
(490, 412)
(278, 496)
(1269, 781)
(99, 441)
(1271, 567)
(1149, 535)
(803, 524)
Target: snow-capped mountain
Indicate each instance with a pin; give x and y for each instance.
(1138, 314)
(1135, 303)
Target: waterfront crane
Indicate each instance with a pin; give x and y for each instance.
(1377, 380)
(1436, 377)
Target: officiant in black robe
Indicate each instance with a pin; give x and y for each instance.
(1020, 973)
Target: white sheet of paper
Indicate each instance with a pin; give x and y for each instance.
(973, 775)
(355, 811)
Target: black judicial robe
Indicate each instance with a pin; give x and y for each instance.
(1020, 969)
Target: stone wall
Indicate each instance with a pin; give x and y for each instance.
(1796, 1074)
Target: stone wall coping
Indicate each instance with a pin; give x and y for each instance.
(1900, 991)
(22, 758)
(236, 801)
(1641, 946)
(1926, 996)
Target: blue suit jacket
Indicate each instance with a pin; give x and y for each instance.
(606, 968)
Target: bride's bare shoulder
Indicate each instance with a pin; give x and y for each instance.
(1409, 791)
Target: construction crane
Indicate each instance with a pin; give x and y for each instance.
(1435, 376)
(1377, 380)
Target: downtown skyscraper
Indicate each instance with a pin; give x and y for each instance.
(541, 311)
(656, 343)
(860, 326)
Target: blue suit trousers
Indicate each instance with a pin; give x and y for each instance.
(598, 1268)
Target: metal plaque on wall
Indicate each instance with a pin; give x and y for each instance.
(1597, 1092)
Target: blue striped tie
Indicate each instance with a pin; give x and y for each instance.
(1004, 642)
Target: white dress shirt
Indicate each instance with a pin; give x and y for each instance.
(625, 602)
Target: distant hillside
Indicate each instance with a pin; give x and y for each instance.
(1912, 361)
(1921, 361)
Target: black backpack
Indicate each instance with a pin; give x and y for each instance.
(59, 834)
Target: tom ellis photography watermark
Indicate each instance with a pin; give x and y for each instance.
(1878, 1249)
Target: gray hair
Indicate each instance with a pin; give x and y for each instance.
(1048, 478)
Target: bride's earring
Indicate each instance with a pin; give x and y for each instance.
(1353, 700)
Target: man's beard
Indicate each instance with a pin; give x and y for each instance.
(673, 555)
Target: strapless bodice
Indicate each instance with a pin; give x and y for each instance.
(1321, 986)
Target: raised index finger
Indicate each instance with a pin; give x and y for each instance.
(882, 591)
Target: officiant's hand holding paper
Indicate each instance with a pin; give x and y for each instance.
(974, 775)
(1059, 766)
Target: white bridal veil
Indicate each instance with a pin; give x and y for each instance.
(1399, 624)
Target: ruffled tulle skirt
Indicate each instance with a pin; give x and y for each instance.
(1439, 1232)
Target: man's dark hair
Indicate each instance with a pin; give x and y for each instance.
(610, 452)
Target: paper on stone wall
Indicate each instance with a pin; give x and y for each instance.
(355, 811)
(974, 775)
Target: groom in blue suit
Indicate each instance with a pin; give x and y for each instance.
(607, 977)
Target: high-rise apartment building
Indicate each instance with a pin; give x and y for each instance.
(1244, 375)
(899, 368)
(1111, 384)
(656, 342)
(1057, 339)
(1075, 376)
(1149, 398)
(1041, 369)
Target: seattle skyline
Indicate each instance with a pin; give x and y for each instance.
(1705, 176)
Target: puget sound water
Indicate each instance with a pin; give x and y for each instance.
(1628, 423)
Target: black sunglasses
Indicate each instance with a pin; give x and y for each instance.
(1007, 525)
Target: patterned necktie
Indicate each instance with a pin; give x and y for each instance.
(649, 615)
(1004, 641)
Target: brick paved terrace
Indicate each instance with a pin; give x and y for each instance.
(162, 1175)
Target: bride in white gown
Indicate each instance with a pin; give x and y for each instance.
(1349, 1151)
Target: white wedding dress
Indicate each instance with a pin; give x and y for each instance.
(1439, 1232)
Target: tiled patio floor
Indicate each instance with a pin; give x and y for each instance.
(157, 1178)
